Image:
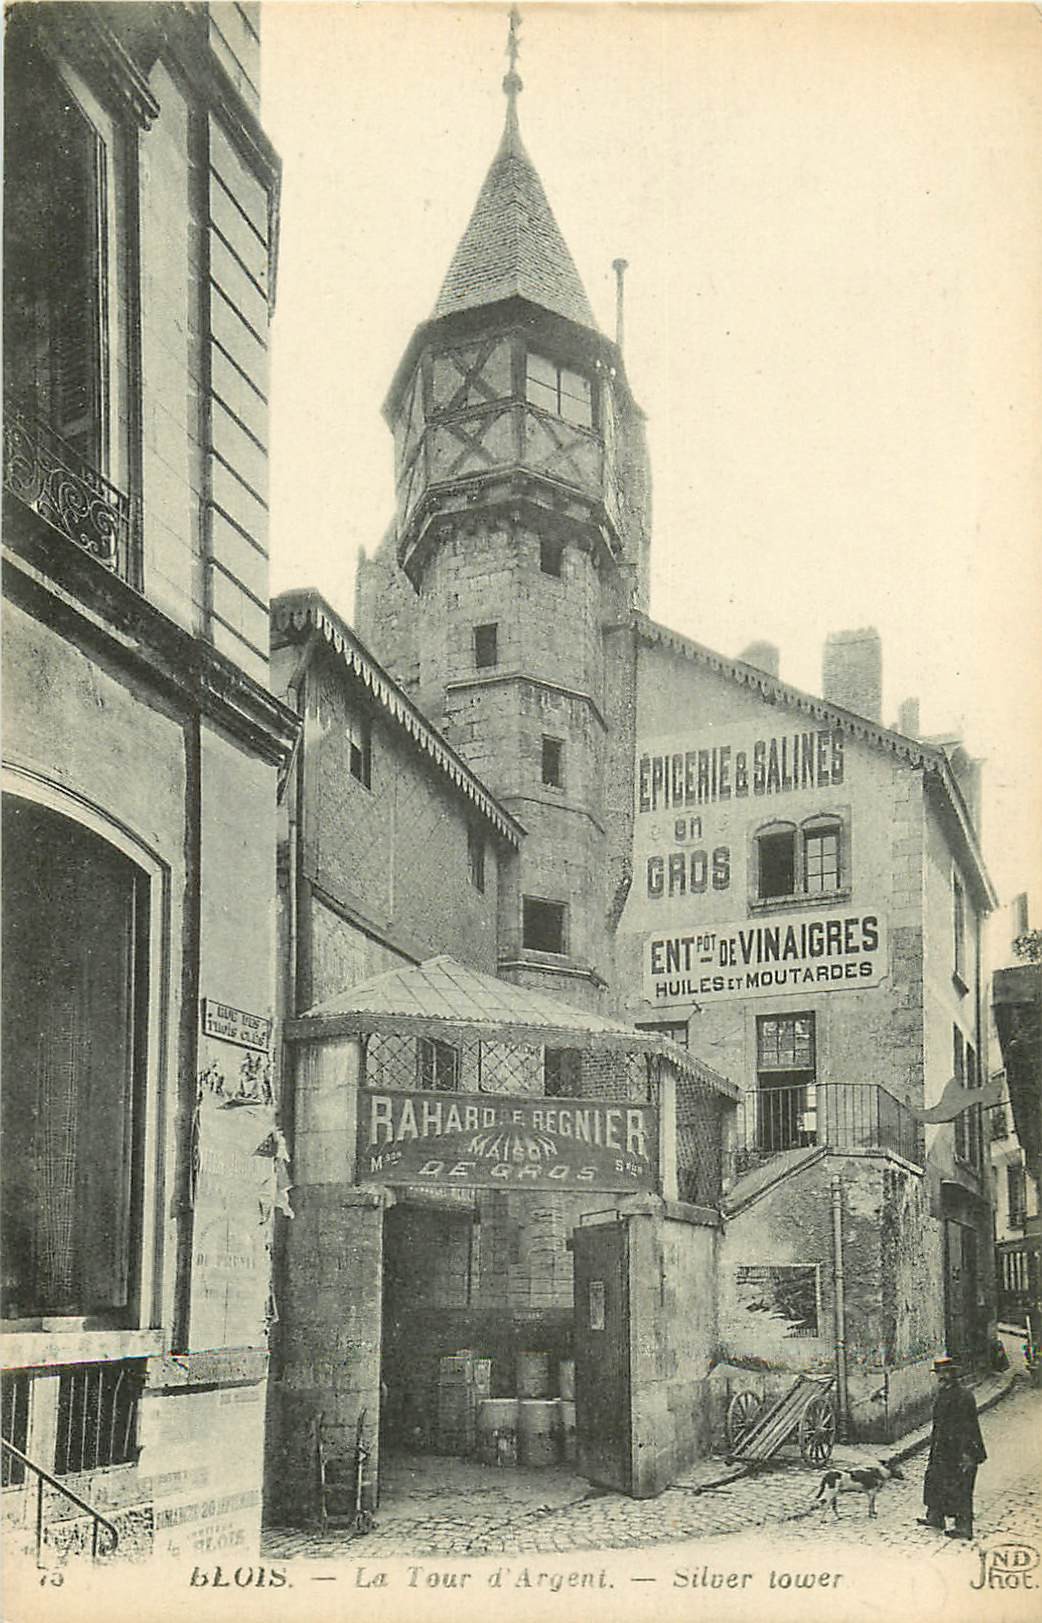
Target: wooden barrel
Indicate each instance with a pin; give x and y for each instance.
(533, 1375)
(566, 1379)
(538, 1431)
(497, 1431)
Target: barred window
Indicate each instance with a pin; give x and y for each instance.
(97, 1416)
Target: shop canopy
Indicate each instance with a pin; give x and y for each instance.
(441, 998)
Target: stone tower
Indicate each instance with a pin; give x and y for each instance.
(502, 596)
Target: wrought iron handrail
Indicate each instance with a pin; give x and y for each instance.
(42, 1476)
(832, 1115)
(46, 473)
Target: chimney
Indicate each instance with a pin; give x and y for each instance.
(620, 267)
(764, 655)
(852, 671)
(908, 718)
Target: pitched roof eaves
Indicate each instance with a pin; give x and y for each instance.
(305, 607)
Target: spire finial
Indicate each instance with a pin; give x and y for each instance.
(512, 85)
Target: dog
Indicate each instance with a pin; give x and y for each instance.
(866, 1479)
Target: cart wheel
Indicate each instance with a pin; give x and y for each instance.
(742, 1413)
(817, 1431)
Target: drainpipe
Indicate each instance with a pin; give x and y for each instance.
(839, 1307)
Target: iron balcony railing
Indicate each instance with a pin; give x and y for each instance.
(46, 473)
(99, 1523)
(834, 1115)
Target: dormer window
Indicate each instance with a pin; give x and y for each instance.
(560, 390)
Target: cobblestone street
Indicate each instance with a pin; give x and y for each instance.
(445, 1507)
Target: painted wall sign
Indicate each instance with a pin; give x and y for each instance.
(527, 1142)
(698, 802)
(782, 1297)
(235, 1025)
(824, 952)
(694, 773)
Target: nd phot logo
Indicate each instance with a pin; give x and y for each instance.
(1007, 1566)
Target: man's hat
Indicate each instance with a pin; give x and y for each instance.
(941, 1364)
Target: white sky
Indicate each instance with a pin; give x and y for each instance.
(833, 217)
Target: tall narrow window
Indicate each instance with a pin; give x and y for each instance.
(486, 646)
(476, 856)
(1016, 1195)
(821, 865)
(74, 931)
(786, 1074)
(551, 554)
(777, 863)
(360, 749)
(553, 763)
(958, 929)
(54, 259)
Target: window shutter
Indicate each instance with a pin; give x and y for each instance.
(75, 255)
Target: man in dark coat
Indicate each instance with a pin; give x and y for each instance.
(956, 1450)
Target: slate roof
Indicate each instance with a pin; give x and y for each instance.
(513, 245)
(442, 996)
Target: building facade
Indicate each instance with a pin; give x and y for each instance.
(143, 747)
(1016, 1130)
(772, 877)
(807, 902)
(454, 1135)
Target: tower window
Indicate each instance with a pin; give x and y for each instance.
(486, 650)
(476, 857)
(558, 389)
(553, 763)
(551, 554)
(542, 925)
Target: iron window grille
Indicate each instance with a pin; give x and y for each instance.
(15, 1392)
(97, 1416)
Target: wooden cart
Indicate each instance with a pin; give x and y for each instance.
(757, 1429)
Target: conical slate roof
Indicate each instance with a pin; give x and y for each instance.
(513, 245)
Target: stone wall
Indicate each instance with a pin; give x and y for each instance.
(891, 1254)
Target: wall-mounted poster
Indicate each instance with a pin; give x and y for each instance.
(783, 1296)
